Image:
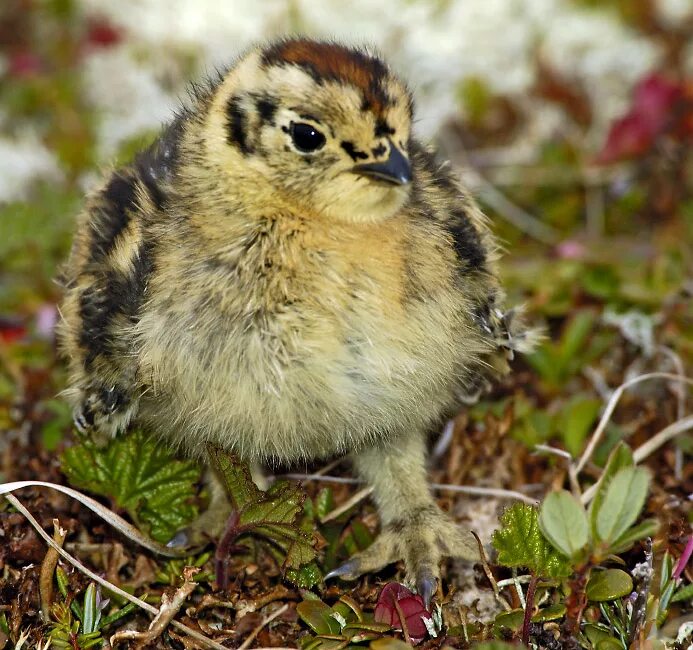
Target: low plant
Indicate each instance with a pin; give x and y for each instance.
(568, 549)
(138, 475)
(79, 624)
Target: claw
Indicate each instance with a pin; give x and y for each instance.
(346, 569)
(80, 421)
(179, 540)
(426, 585)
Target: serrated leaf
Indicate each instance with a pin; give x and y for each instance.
(620, 457)
(306, 576)
(272, 515)
(235, 477)
(643, 530)
(563, 522)
(281, 504)
(609, 584)
(300, 551)
(140, 476)
(520, 543)
(622, 503)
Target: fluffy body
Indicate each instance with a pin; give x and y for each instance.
(230, 288)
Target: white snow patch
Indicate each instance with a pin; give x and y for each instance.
(23, 161)
(128, 96)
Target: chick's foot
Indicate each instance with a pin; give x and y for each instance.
(422, 541)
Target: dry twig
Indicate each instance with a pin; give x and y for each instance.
(48, 565)
(204, 641)
(170, 605)
(265, 621)
(608, 412)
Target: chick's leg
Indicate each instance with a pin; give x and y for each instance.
(414, 529)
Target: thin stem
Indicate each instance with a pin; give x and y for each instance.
(349, 503)
(265, 621)
(529, 607)
(402, 620)
(489, 573)
(224, 549)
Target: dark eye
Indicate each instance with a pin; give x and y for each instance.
(306, 137)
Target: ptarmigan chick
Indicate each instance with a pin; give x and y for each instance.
(289, 274)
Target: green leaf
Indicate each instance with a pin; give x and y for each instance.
(575, 335)
(520, 543)
(324, 502)
(369, 626)
(318, 616)
(683, 594)
(532, 428)
(511, 620)
(595, 632)
(305, 577)
(494, 645)
(609, 643)
(281, 504)
(389, 643)
(550, 613)
(620, 457)
(609, 584)
(623, 502)
(666, 571)
(235, 477)
(273, 515)
(563, 522)
(575, 421)
(92, 615)
(646, 528)
(140, 476)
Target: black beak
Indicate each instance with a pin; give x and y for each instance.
(396, 169)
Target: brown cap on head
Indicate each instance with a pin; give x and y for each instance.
(326, 61)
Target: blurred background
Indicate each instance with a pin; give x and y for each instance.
(571, 120)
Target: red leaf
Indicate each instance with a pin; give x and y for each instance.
(11, 329)
(412, 607)
(103, 34)
(24, 64)
(654, 100)
(628, 137)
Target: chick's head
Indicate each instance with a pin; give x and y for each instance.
(325, 126)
